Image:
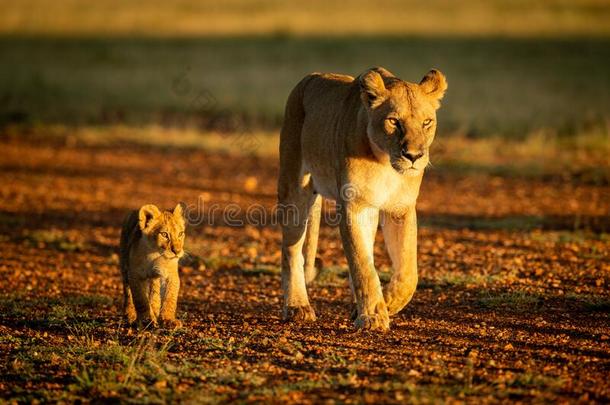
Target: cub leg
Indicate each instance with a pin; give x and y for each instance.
(129, 308)
(139, 291)
(400, 235)
(170, 301)
(154, 297)
(357, 225)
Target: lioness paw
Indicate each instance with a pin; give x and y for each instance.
(373, 322)
(394, 305)
(379, 320)
(303, 313)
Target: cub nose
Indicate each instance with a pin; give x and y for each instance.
(412, 156)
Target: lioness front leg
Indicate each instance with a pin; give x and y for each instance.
(357, 225)
(169, 303)
(400, 235)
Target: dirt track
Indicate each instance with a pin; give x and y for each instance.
(512, 303)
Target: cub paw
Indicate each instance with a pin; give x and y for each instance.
(171, 323)
(354, 312)
(130, 318)
(303, 313)
(145, 324)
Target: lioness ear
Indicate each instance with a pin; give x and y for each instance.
(385, 73)
(180, 210)
(372, 89)
(147, 216)
(434, 85)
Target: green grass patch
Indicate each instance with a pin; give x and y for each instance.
(261, 270)
(590, 303)
(222, 263)
(68, 311)
(457, 279)
(332, 276)
(99, 366)
(564, 237)
(56, 239)
(516, 301)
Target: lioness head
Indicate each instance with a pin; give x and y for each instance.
(401, 116)
(164, 231)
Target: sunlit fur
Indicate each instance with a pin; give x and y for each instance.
(152, 242)
(353, 140)
(403, 115)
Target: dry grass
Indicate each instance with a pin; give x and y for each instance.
(538, 154)
(190, 17)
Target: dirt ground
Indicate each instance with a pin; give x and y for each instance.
(513, 302)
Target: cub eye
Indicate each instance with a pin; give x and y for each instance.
(181, 234)
(427, 122)
(165, 235)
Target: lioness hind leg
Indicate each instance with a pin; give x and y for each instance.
(311, 240)
(294, 224)
(400, 235)
(295, 198)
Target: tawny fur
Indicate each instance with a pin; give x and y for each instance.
(151, 245)
(363, 142)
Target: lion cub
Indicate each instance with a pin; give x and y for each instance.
(151, 245)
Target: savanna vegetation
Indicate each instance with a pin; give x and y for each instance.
(113, 104)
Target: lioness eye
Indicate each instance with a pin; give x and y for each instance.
(181, 234)
(427, 122)
(165, 235)
(393, 121)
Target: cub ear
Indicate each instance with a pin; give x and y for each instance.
(434, 85)
(147, 216)
(372, 88)
(180, 210)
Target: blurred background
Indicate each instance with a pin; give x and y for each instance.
(530, 71)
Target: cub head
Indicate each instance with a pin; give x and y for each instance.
(401, 117)
(164, 231)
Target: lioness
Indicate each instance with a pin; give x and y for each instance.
(151, 245)
(363, 142)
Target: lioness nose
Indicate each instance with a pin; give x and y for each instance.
(412, 156)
